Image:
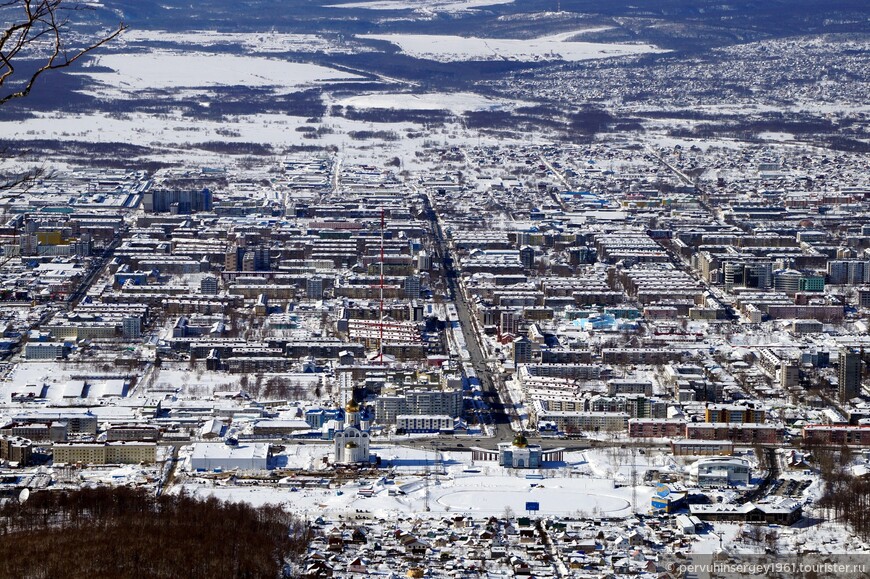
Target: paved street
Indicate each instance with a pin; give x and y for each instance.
(491, 395)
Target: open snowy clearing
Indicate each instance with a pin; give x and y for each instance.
(259, 42)
(454, 102)
(64, 385)
(145, 129)
(552, 500)
(455, 485)
(197, 383)
(177, 141)
(422, 5)
(132, 73)
(479, 495)
(554, 47)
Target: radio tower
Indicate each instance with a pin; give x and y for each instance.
(381, 308)
(426, 472)
(633, 480)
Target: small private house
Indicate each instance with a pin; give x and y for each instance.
(688, 524)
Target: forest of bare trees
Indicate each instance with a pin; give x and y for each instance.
(846, 496)
(124, 532)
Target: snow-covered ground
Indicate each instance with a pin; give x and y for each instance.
(455, 484)
(175, 138)
(197, 383)
(554, 47)
(422, 5)
(454, 102)
(474, 494)
(65, 384)
(254, 43)
(164, 69)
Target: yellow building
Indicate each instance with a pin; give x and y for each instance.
(733, 414)
(105, 453)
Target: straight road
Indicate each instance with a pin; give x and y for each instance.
(97, 266)
(491, 393)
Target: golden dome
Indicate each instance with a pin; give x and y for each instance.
(352, 406)
(520, 441)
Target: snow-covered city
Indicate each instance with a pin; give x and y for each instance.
(435, 289)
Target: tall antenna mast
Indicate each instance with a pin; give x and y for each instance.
(633, 480)
(426, 472)
(381, 312)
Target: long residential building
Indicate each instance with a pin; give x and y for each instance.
(579, 421)
(418, 402)
(105, 453)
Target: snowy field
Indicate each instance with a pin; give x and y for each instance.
(486, 495)
(163, 69)
(144, 129)
(474, 494)
(254, 43)
(455, 485)
(176, 141)
(196, 383)
(36, 373)
(554, 47)
(64, 385)
(453, 102)
(422, 5)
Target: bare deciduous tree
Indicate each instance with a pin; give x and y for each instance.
(36, 38)
(37, 30)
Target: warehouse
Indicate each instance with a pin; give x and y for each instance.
(209, 456)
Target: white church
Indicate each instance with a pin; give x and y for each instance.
(351, 443)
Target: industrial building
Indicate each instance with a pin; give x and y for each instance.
(210, 456)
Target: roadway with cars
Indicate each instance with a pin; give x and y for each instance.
(501, 422)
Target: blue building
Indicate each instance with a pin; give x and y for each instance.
(667, 500)
(317, 417)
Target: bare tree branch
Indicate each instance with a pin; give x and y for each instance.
(35, 35)
(36, 31)
(22, 180)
